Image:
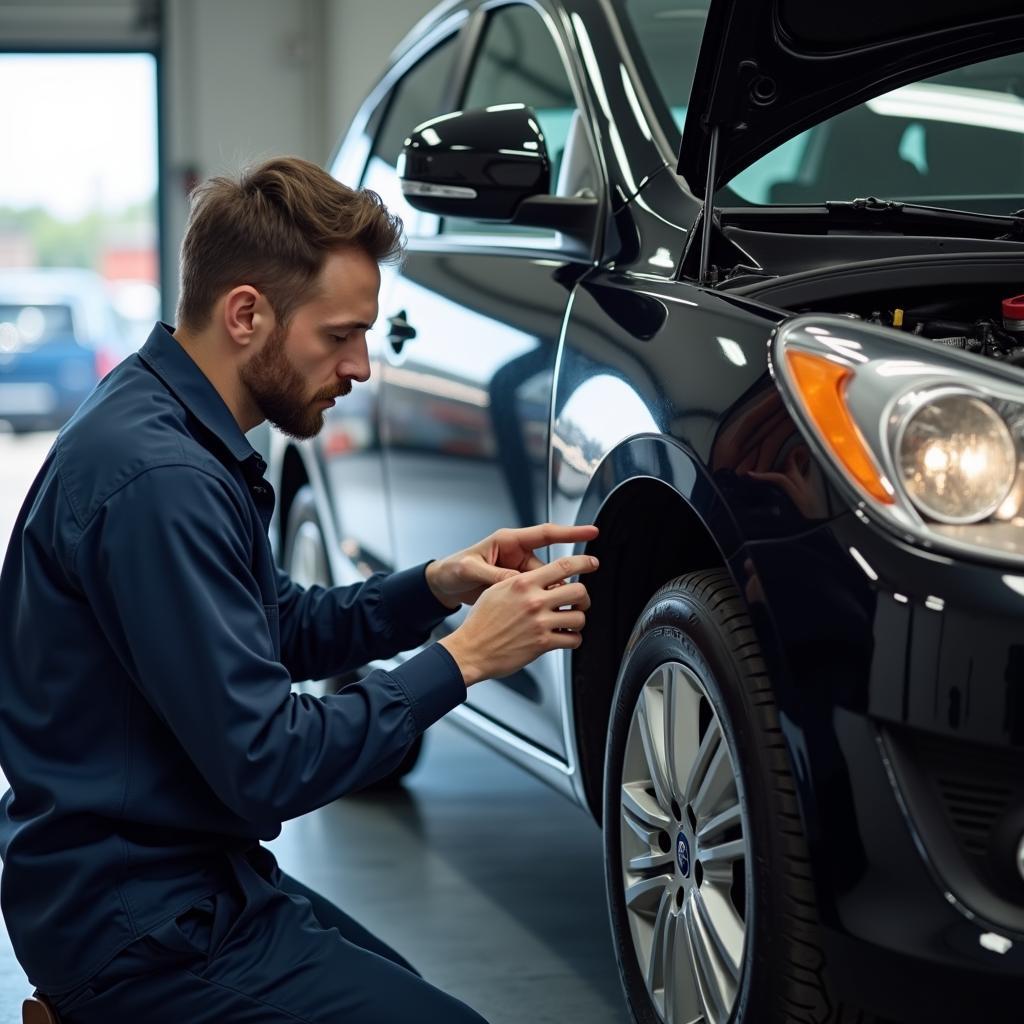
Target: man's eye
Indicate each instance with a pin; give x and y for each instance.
(339, 337)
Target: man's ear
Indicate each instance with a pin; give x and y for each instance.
(244, 314)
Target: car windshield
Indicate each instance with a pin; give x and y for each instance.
(25, 326)
(956, 139)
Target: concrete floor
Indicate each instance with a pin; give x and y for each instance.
(485, 879)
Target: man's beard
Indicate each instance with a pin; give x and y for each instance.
(279, 391)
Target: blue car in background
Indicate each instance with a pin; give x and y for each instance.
(59, 336)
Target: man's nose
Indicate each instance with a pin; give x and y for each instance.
(356, 365)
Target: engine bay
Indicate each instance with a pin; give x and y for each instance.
(990, 324)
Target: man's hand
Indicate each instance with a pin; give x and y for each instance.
(461, 578)
(521, 618)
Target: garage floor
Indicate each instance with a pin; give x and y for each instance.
(487, 881)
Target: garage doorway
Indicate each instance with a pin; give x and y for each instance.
(79, 182)
(79, 237)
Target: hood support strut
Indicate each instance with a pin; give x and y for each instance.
(708, 213)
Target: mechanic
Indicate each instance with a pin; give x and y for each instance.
(148, 645)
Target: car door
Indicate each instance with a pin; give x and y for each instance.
(349, 445)
(474, 320)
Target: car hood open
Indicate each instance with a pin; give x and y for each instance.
(769, 69)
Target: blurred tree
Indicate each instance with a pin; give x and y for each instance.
(78, 243)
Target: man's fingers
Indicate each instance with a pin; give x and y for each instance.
(565, 639)
(490, 574)
(568, 620)
(561, 568)
(568, 595)
(533, 537)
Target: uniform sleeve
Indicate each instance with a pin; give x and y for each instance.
(325, 631)
(165, 565)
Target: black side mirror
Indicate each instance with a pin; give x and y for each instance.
(476, 163)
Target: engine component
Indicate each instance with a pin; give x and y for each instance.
(1013, 314)
(1001, 339)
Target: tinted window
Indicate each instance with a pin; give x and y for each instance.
(518, 62)
(668, 34)
(956, 139)
(419, 95)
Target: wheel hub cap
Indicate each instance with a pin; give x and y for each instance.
(683, 855)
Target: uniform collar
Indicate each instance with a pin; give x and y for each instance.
(163, 354)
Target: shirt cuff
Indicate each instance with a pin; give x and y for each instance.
(433, 683)
(410, 603)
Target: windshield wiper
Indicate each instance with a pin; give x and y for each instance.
(891, 214)
(871, 214)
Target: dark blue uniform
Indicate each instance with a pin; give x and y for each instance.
(149, 731)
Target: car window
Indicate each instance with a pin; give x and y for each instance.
(29, 326)
(419, 95)
(956, 139)
(953, 140)
(667, 34)
(518, 62)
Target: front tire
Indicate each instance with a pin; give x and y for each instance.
(711, 903)
(306, 561)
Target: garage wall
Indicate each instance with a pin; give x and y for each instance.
(241, 79)
(247, 79)
(361, 36)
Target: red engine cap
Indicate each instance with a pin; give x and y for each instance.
(1013, 309)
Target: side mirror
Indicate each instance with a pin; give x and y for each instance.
(476, 163)
(489, 164)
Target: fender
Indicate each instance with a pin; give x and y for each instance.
(661, 458)
(642, 461)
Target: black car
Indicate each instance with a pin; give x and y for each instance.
(739, 283)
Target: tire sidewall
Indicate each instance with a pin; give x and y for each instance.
(675, 627)
(303, 510)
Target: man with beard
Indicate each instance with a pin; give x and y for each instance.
(148, 645)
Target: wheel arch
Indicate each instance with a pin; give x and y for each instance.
(651, 532)
(294, 475)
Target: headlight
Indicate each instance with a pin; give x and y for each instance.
(928, 439)
(956, 457)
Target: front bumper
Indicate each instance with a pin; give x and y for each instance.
(900, 683)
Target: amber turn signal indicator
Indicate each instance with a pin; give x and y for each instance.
(821, 384)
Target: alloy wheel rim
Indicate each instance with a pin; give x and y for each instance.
(308, 564)
(307, 567)
(685, 856)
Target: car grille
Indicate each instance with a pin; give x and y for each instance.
(977, 788)
(967, 803)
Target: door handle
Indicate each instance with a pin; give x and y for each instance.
(400, 330)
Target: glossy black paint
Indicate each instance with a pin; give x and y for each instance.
(685, 371)
(849, 656)
(601, 384)
(466, 426)
(859, 664)
(476, 163)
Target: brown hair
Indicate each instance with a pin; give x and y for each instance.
(273, 229)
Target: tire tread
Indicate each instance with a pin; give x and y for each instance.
(805, 996)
